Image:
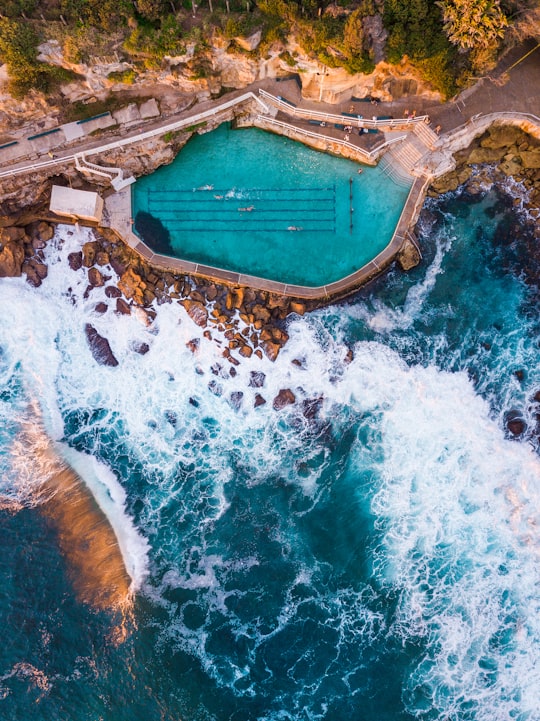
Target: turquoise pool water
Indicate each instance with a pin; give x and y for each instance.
(257, 203)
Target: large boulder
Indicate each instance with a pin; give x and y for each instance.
(502, 136)
(35, 271)
(99, 346)
(484, 155)
(132, 286)
(285, 397)
(89, 251)
(271, 350)
(196, 311)
(11, 233)
(11, 260)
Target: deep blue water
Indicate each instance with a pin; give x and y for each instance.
(370, 552)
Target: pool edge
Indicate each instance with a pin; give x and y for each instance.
(118, 217)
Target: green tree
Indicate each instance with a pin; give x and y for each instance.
(415, 29)
(17, 8)
(473, 24)
(18, 49)
(151, 9)
(353, 34)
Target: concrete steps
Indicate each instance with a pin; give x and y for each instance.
(426, 135)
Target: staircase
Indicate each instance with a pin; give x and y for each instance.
(426, 135)
(398, 162)
(115, 175)
(401, 161)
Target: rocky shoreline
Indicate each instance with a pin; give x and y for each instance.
(243, 321)
(506, 148)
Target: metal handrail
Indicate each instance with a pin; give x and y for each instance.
(341, 119)
(272, 121)
(146, 135)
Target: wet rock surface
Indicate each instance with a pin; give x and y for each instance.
(249, 322)
(100, 347)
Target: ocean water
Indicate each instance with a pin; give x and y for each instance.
(370, 552)
(254, 202)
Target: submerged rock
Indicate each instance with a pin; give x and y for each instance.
(515, 423)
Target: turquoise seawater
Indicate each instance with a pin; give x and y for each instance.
(257, 203)
(370, 552)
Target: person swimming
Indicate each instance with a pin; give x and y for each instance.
(247, 210)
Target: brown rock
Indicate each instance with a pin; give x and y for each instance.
(277, 301)
(285, 397)
(12, 233)
(119, 266)
(516, 426)
(132, 286)
(196, 311)
(141, 348)
(122, 307)
(101, 350)
(95, 278)
(484, 155)
(238, 297)
(261, 313)
(11, 260)
(75, 260)
(409, 255)
(89, 251)
(246, 351)
(271, 350)
(102, 258)
(35, 272)
(297, 307)
(259, 400)
(45, 231)
(148, 296)
(531, 158)
(101, 308)
(38, 244)
(211, 292)
(111, 291)
(510, 167)
(198, 296)
(193, 345)
(501, 136)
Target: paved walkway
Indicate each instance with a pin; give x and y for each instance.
(514, 86)
(511, 87)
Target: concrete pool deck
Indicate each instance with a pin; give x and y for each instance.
(117, 216)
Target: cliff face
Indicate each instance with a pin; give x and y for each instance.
(225, 64)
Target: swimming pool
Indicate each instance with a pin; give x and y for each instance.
(257, 203)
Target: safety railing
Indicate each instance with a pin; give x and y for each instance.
(146, 135)
(370, 156)
(265, 120)
(349, 119)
